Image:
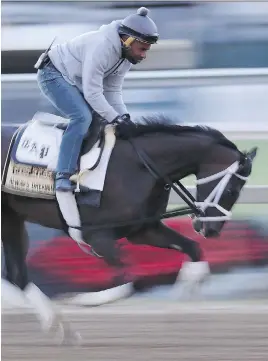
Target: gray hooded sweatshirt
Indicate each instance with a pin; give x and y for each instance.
(92, 62)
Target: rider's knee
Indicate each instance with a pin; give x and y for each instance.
(84, 123)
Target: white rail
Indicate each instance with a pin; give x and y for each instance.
(250, 195)
(192, 77)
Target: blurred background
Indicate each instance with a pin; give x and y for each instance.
(210, 67)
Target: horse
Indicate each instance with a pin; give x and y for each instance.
(141, 172)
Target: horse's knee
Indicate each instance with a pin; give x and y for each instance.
(108, 250)
(195, 251)
(189, 247)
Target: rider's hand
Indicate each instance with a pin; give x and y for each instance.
(121, 118)
(125, 127)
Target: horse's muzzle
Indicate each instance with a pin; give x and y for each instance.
(206, 229)
(210, 233)
(197, 225)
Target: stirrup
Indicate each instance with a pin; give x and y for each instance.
(75, 178)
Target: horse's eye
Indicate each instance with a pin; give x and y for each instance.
(232, 192)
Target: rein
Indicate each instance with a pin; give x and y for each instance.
(193, 207)
(179, 188)
(185, 195)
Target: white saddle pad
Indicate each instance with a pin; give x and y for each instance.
(40, 143)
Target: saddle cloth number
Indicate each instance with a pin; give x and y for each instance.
(39, 145)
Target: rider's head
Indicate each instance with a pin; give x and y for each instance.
(138, 32)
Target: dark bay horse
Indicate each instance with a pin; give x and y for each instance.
(132, 192)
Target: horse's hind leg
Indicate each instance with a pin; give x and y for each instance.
(162, 236)
(15, 247)
(15, 244)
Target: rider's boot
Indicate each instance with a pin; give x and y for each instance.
(63, 182)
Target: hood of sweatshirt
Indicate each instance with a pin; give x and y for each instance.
(110, 31)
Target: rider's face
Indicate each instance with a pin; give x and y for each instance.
(137, 51)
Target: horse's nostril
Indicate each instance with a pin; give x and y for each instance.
(211, 233)
(197, 225)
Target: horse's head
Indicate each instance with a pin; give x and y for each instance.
(218, 191)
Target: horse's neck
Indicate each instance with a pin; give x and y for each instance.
(180, 155)
(217, 159)
(174, 154)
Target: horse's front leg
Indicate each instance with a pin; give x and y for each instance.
(105, 246)
(192, 272)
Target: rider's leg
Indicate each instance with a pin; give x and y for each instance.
(71, 104)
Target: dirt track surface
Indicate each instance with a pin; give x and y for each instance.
(146, 330)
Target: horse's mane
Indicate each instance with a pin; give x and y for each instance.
(163, 124)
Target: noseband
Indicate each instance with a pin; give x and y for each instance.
(214, 197)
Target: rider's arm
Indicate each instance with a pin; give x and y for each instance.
(113, 92)
(94, 66)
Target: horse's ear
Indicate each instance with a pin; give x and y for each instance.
(252, 153)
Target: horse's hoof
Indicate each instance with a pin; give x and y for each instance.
(194, 272)
(58, 334)
(72, 338)
(190, 279)
(65, 336)
(47, 324)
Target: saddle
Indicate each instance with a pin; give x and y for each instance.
(32, 158)
(94, 134)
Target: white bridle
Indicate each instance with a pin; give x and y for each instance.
(213, 198)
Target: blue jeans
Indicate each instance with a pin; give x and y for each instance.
(73, 106)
